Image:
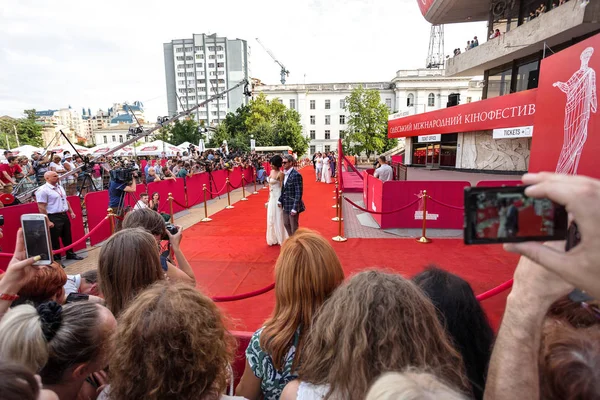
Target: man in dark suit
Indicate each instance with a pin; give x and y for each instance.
(291, 196)
(512, 221)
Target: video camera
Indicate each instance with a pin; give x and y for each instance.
(172, 229)
(122, 175)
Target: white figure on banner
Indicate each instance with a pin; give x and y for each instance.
(581, 99)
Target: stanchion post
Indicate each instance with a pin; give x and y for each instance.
(337, 201)
(336, 189)
(336, 197)
(244, 198)
(424, 239)
(340, 237)
(229, 206)
(111, 218)
(255, 192)
(205, 219)
(171, 208)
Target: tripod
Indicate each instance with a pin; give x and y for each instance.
(87, 177)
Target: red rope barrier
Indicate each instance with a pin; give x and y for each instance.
(498, 289)
(380, 213)
(243, 296)
(218, 191)
(72, 245)
(444, 204)
(179, 204)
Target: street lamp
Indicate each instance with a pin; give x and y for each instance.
(252, 143)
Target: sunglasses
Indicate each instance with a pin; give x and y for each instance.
(284, 162)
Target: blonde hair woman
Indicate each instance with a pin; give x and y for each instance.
(306, 273)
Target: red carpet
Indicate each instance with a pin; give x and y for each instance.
(230, 256)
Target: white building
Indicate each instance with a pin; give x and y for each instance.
(200, 67)
(116, 134)
(322, 106)
(66, 119)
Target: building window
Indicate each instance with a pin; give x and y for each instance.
(177, 50)
(189, 58)
(431, 100)
(221, 65)
(104, 137)
(211, 65)
(113, 139)
(327, 148)
(211, 57)
(343, 104)
(328, 104)
(181, 74)
(220, 56)
(292, 104)
(499, 83)
(469, 99)
(342, 120)
(327, 134)
(527, 76)
(312, 135)
(313, 149)
(189, 74)
(327, 119)
(410, 100)
(312, 105)
(200, 56)
(198, 48)
(312, 119)
(179, 58)
(342, 134)
(388, 104)
(120, 138)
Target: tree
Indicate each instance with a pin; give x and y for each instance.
(185, 130)
(367, 123)
(27, 129)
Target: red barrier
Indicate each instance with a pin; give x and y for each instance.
(218, 182)
(498, 183)
(131, 199)
(498, 289)
(163, 188)
(267, 167)
(239, 363)
(235, 178)
(77, 231)
(387, 196)
(194, 185)
(96, 204)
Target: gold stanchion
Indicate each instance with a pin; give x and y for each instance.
(244, 198)
(424, 238)
(337, 201)
(205, 219)
(340, 237)
(336, 189)
(111, 217)
(171, 208)
(255, 192)
(229, 206)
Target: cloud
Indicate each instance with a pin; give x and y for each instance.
(87, 54)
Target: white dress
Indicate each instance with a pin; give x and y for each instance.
(276, 233)
(308, 391)
(326, 174)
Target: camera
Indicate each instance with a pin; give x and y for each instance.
(172, 229)
(122, 175)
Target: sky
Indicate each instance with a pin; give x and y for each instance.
(92, 54)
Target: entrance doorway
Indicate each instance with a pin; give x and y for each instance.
(432, 160)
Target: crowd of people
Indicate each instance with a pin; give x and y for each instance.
(137, 328)
(325, 166)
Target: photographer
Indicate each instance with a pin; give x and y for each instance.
(152, 222)
(121, 181)
(383, 171)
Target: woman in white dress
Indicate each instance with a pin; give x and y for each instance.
(319, 161)
(502, 220)
(276, 233)
(326, 173)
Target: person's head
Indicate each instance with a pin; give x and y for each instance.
(576, 314)
(7, 153)
(461, 314)
(276, 162)
(412, 385)
(288, 162)
(382, 160)
(171, 342)
(586, 55)
(155, 196)
(151, 171)
(51, 177)
(18, 383)
(144, 198)
(569, 362)
(306, 273)
(89, 283)
(128, 263)
(376, 322)
(497, 30)
(36, 155)
(12, 160)
(68, 157)
(46, 284)
(57, 159)
(146, 219)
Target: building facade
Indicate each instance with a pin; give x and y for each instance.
(117, 134)
(497, 134)
(322, 106)
(200, 67)
(66, 119)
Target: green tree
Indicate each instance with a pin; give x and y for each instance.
(27, 129)
(367, 123)
(185, 130)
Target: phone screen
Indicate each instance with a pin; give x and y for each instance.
(36, 239)
(499, 215)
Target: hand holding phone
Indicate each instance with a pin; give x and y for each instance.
(37, 237)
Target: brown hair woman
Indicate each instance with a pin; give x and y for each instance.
(375, 323)
(306, 273)
(171, 343)
(128, 263)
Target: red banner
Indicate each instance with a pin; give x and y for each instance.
(513, 110)
(568, 116)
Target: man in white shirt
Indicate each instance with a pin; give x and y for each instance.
(384, 172)
(52, 201)
(142, 202)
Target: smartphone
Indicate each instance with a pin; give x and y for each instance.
(506, 214)
(37, 237)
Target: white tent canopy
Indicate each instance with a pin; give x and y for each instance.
(99, 150)
(184, 145)
(65, 147)
(157, 148)
(25, 150)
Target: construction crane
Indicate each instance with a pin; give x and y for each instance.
(284, 72)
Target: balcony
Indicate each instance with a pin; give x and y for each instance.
(552, 28)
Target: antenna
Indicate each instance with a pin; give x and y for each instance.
(435, 56)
